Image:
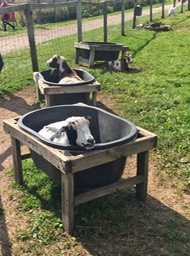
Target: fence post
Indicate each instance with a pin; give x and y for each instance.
(79, 21)
(182, 6)
(163, 9)
(31, 37)
(105, 21)
(123, 18)
(150, 10)
(134, 15)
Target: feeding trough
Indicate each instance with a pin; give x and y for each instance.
(107, 51)
(108, 130)
(51, 77)
(88, 52)
(59, 94)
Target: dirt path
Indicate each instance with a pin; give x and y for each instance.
(20, 41)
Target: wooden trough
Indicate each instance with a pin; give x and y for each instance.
(108, 131)
(69, 164)
(48, 88)
(89, 52)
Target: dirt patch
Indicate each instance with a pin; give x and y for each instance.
(10, 219)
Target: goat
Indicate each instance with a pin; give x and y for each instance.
(70, 132)
(172, 11)
(66, 73)
(122, 65)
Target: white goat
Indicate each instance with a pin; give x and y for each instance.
(172, 11)
(67, 74)
(72, 131)
(122, 65)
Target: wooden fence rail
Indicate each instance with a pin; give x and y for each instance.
(29, 7)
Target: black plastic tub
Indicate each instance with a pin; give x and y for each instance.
(108, 130)
(51, 78)
(106, 55)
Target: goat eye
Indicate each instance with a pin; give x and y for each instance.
(117, 64)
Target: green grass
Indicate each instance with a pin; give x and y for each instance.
(158, 99)
(114, 225)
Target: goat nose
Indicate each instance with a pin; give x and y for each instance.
(91, 140)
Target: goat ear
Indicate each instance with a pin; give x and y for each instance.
(71, 125)
(89, 118)
(56, 58)
(58, 133)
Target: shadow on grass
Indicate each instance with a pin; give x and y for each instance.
(5, 246)
(120, 225)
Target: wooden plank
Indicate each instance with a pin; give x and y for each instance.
(63, 4)
(89, 159)
(14, 8)
(51, 90)
(144, 133)
(67, 192)
(17, 163)
(91, 58)
(94, 96)
(102, 191)
(38, 86)
(101, 47)
(47, 89)
(142, 169)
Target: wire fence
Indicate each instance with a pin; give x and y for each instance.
(51, 29)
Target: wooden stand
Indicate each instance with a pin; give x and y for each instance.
(94, 48)
(46, 91)
(69, 164)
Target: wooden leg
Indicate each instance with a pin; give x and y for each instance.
(91, 58)
(67, 188)
(38, 92)
(17, 162)
(94, 98)
(142, 169)
(77, 56)
(123, 54)
(47, 100)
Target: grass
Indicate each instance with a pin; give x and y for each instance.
(156, 98)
